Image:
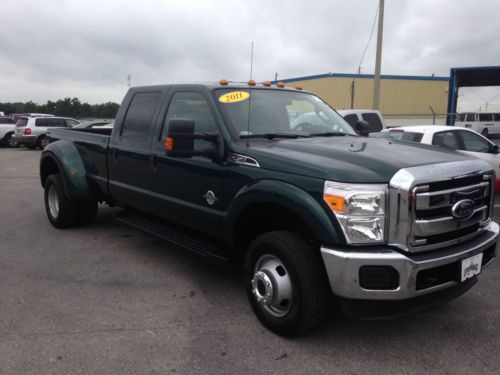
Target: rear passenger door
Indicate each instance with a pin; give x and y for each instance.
(130, 152)
(189, 191)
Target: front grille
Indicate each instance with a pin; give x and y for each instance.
(434, 224)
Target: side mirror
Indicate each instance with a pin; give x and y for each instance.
(362, 128)
(494, 149)
(180, 140)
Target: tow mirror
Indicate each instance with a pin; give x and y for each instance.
(362, 128)
(180, 140)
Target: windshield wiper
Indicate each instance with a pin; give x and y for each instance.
(330, 134)
(274, 135)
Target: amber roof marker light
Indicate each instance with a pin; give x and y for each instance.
(280, 84)
(223, 82)
(299, 88)
(251, 82)
(266, 83)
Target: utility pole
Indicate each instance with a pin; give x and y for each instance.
(352, 94)
(378, 58)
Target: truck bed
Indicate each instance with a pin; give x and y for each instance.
(94, 135)
(92, 145)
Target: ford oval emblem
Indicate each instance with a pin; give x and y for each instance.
(464, 209)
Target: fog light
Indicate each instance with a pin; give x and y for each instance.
(378, 278)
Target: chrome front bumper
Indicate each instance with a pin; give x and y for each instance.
(343, 265)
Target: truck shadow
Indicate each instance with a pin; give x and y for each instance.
(222, 285)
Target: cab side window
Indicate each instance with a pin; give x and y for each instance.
(192, 106)
(445, 139)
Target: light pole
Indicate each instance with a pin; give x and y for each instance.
(378, 58)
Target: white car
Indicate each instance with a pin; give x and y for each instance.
(7, 127)
(32, 131)
(453, 138)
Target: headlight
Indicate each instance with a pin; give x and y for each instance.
(360, 210)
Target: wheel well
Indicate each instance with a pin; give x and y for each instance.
(47, 167)
(260, 218)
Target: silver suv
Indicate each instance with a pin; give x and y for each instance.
(32, 131)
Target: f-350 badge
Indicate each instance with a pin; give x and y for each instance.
(210, 197)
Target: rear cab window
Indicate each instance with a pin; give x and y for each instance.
(373, 121)
(138, 121)
(351, 119)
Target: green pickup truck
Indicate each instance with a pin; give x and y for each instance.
(314, 212)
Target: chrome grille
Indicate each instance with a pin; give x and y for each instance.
(421, 201)
(433, 222)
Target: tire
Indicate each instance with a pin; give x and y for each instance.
(61, 211)
(87, 212)
(9, 141)
(484, 133)
(41, 142)
(295, 272)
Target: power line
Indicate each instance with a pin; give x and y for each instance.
(369, 40)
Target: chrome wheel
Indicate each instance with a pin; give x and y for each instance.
(272, 286)
(53, 201)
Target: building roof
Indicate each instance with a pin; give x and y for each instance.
(383, 76)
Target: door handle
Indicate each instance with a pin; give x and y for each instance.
(153, 161)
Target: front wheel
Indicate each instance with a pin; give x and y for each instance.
(61, 211)
(285, 283)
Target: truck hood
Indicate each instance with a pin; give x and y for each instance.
(347, 159)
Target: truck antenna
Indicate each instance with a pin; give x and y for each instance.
(250, 92)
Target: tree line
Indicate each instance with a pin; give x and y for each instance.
(71, 107)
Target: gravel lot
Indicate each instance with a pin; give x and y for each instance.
(111, 299)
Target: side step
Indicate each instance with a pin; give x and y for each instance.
(178, 237)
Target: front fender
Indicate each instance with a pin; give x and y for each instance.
(290, 197)
(71, 168)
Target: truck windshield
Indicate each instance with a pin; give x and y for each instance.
(276, 113)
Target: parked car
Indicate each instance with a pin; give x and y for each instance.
(487, 124)
(456, 139)
(94, 124)
(388, 227)
(374, 118)
(7, 127)
(32, 131)
(37, 115)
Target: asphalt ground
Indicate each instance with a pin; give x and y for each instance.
(108, 299)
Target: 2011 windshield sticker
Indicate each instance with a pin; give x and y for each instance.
(234, 97)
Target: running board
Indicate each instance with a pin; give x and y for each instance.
(205, 248)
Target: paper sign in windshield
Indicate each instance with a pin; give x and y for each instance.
(234, 97)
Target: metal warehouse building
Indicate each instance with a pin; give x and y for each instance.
(400, 96)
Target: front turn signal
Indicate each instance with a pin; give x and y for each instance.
(336, 203)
